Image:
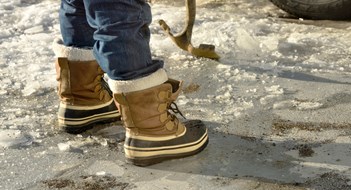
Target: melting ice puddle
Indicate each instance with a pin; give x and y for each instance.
(10, 138)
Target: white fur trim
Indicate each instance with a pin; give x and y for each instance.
(154, 79)
(72, 53)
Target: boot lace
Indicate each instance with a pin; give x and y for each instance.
(101, 85)
(106, 87)
(174, 108)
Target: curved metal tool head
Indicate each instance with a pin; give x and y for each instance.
(183, 39)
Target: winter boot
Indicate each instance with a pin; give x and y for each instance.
(85, 98)
(153, 134)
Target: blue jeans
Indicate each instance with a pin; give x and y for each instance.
(117, 30)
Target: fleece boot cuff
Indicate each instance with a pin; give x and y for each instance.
(154, 79)
(72, 53)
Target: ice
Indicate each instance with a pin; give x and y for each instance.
(34, 30)
(308, 105)
(11, 138)
(223, 67)
(101, 173)
(64, 146)
(284, 104)
(105, 167)
(3, 92)
(275, 89)
(247, 42)
(80, 143)
(272, 69)
(5, 34)
(30, 88)
(343, 139)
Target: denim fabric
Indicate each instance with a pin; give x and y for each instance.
(117, 30)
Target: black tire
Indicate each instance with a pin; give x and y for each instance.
(317, 9)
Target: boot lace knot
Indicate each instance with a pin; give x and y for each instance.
(174, 108)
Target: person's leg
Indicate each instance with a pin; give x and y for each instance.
(142, 90)
(122, 37)
(74, 26)
(85, 98)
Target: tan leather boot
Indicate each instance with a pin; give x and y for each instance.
(85, 98)
(153, 134)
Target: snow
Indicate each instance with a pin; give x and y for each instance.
(9, 138)
(279, 80)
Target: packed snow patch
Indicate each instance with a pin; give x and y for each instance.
(11, 138)
(79, 142)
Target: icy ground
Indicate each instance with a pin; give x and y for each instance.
(277, 103)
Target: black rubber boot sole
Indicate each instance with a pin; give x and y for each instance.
(79, 119)
(142, 152)
(82, 128)
(143, 162)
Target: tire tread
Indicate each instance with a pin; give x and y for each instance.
(317, 9)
